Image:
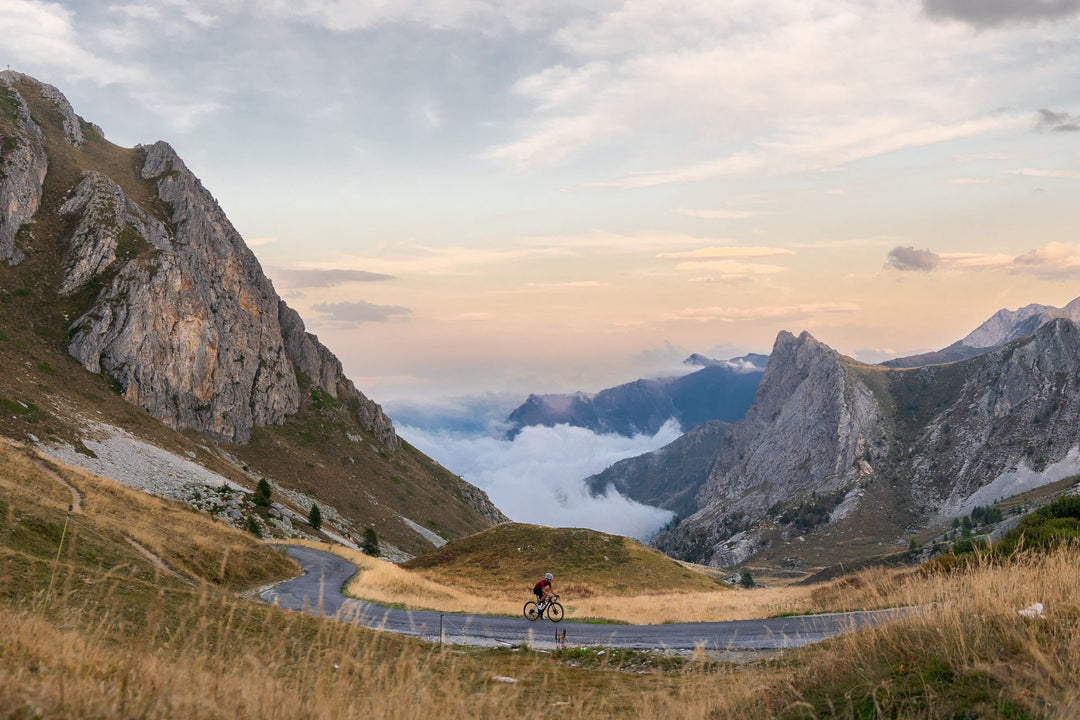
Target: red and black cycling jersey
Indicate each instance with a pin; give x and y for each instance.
(539, 587)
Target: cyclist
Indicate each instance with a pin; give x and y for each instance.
(543, 589)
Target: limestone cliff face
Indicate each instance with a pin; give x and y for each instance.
(1009, 421)
(807, 432)
(323, 368)
(190, 331)
(106, 217)
(23, 164)
(179, 311)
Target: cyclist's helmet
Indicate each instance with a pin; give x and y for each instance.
(549, 576)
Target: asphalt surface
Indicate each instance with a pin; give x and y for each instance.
(319, 591)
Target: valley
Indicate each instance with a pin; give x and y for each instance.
(156, 385)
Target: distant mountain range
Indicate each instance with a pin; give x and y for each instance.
(720, 390)
(1003, 326)
(837, 459)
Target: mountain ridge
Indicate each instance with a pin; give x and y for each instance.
(836, 453)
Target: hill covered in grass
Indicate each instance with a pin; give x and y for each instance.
(584, 561)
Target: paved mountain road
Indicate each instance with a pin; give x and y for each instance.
(319, 589)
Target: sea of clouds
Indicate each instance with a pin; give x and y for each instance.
(538, 477)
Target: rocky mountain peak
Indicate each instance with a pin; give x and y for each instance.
(23, 164)
(1003, 325)
(834, 452)
(180, 315)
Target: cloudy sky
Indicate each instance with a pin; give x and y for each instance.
(538, 195)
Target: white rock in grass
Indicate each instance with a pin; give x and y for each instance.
(1032, 611)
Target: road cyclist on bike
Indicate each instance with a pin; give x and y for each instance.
(543, 589)
(546, 600)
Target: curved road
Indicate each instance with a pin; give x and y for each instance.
(319, 591)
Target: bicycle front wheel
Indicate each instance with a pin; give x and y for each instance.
(532, 612)
(554, 612)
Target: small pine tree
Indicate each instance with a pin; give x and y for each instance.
(746, 579)
(315, 517)
(370, 545)
(262, 493)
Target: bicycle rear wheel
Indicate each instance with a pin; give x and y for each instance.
(532, 612)
(554, 612)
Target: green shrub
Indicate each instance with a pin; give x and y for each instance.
(370, 545)
(262, 493)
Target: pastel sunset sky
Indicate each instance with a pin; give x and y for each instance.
(545, 196)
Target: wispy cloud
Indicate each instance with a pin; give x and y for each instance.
(358, 312)
(296, 278)
(731, 268)
(1047, 173)
(718, 214)
(1049, 260)
(976, 260)
(720, 253)
(570, 284)
(44, 34)
(414, 259)
(817, 147)
(617, 242)
(764, 312)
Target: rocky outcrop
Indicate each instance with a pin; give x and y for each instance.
(106, 218)
(479, 501)
(809, 431)
(322, 367)
(186, 321)
(1008, 422)
(23, 164)
(191, 333)
(72, 123)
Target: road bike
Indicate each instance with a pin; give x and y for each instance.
(552, 609)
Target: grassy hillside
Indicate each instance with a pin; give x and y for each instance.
(119, 637)
(113, 529)
(584, 563)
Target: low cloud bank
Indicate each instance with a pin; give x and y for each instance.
(538, 477)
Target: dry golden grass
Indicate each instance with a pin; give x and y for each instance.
(189, 543)
(221, 657)
(971, 656)
(114, 641)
